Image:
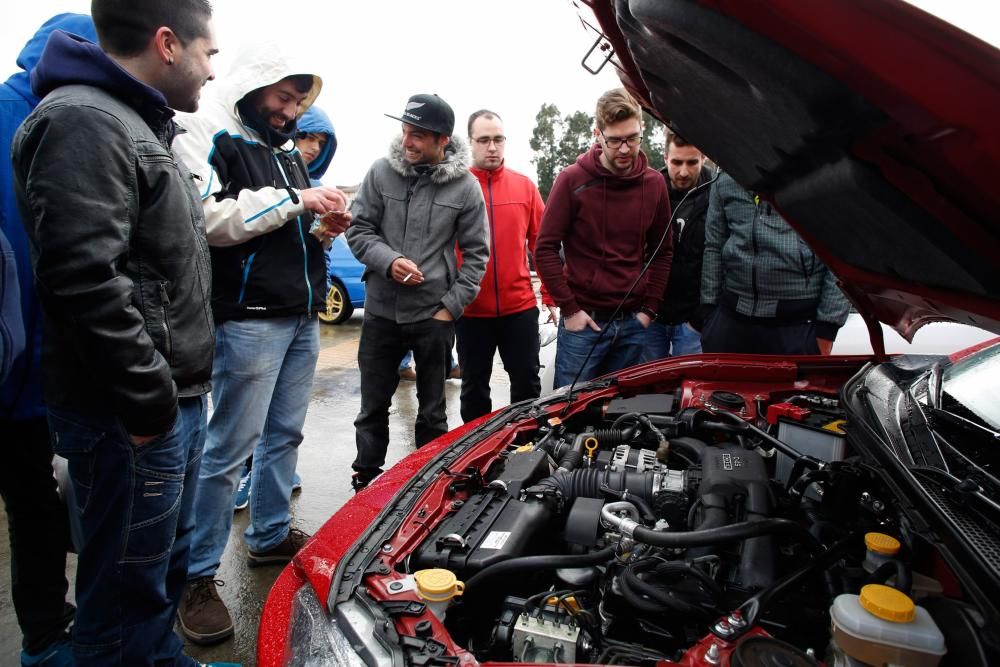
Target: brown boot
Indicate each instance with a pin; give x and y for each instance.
(202, 614)
(282, 553)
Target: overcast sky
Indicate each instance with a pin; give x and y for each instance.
(507, 55)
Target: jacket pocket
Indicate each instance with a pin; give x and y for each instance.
(155, 306)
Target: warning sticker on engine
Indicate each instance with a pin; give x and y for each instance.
(495, 540)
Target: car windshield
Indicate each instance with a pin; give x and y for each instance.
(975, 383)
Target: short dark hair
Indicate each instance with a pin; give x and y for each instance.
(675, 139)
(302, 82)
(482, 113)
(124, 27)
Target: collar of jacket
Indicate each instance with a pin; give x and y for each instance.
(482, 174)
(456, 163)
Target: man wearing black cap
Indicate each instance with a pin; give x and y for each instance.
(414, 206)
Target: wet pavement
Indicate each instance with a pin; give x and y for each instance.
(325, 467)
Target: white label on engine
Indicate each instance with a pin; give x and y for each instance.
(495, 540)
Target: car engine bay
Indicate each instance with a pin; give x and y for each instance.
(694, 526)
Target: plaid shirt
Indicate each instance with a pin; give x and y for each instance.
(753, 254)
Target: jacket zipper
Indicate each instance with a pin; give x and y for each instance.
(493, 243)
(753, 261)
(164, 302)
(302, 241)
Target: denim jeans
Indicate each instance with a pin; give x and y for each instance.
(670, 340)
(135, 509)
(383, 343)
(39, 533)
(261, 381)
(620, 347)
(479, 338)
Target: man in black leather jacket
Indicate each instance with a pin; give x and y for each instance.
(124, 278)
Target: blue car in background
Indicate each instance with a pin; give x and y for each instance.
(345, 291)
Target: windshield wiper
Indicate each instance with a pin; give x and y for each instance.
(965, 424)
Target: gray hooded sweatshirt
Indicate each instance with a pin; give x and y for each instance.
(421, 213)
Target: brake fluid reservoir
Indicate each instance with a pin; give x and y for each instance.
(881, 549)
(437, 587)
(882, 626)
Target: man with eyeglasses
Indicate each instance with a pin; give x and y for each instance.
(609, 213)
(504, 316)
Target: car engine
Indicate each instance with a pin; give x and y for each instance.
(641, 532)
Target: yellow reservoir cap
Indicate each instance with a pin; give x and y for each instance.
(438, 584)
(887, 603)
(880, 543)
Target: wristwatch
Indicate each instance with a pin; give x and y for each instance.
(649, 312)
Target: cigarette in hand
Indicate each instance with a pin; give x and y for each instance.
(408, 276)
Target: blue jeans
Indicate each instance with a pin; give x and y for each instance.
(135, 507)
(261, 381)
(620, 348)
(670, 340)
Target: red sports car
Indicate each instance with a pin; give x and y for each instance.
(724, 509)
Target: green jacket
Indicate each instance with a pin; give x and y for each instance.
(755, 256)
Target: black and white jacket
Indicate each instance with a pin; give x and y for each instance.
(265, 263)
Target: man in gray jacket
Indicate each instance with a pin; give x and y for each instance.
(413, 207)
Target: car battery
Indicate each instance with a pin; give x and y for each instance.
(814, 432)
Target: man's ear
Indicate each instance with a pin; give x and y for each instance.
(597, 132)
(166, 45)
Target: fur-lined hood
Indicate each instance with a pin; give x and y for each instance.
(457, 160)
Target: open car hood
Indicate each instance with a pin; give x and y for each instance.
(870, 124)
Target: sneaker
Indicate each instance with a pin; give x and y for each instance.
(296, 483)
(242, 498)
(202, 614)
(360, 480)
(407, 374)
(455, 373)
(283, 552)
(58, 654)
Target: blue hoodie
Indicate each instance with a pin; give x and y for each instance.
(315, 121)
(21, 394)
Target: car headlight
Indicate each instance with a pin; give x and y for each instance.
(315, 639)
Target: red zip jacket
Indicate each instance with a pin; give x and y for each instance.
(514, 209)
(608, 226)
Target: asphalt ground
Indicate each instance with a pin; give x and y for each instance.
(325, 467)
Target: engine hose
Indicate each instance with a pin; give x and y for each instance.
(588, 483)
(645, 511)
(570, 460)
(611, 437)
(755, 605)
(668, 602)
(535, 563)
(687, 567)
(726, 534)
(904, 579)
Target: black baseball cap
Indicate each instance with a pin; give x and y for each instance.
(429, 112)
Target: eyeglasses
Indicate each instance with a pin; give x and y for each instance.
(614, 143)
(486, 141)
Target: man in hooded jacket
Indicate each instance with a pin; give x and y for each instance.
(317, 141)
(36, 518)
(123, 275)
(268, 275)
(414, 206)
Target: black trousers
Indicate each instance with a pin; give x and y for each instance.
(725, 332)
(479, 338)
(38, 524)
(383, 344)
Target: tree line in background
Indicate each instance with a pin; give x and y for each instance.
(557, 140)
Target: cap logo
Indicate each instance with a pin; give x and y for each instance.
(414, 105)
(412, 115)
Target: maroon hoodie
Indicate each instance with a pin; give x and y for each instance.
(608, 225)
